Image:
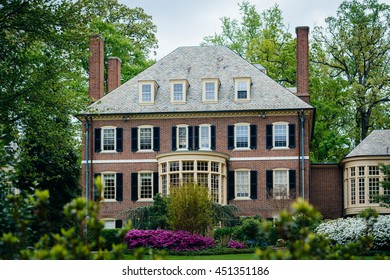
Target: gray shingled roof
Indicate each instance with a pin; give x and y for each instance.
(195, 64)
(377, 143)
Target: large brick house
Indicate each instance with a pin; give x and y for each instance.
(203, 114)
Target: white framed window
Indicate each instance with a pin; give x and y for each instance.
(182, 137)
(210, 90)
(145, 187)
(179, 91)
(205, 137)
(280, 135)
(242, 183)
(281, 185)
(109, 186)
(241, 136)
(145, 138)
(147, 92)
(242, 89)
(109, 224)
(108, 139)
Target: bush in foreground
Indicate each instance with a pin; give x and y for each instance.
(168, 240)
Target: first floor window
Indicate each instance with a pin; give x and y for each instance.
(373, 188)
(280, 185)
(109, 224)
(109, 186)
(242, 184)
(353, 191)
(146, 186)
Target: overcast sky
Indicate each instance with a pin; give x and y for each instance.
(186, 23)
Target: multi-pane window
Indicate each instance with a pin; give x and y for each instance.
(373, 188)
(361, 170)
(280, 135)
(109, 224)
(209, 91)
(146, 185)
(203, 165)
(109, 186)
(373, 170)
(362, 193)
(145, 138)
(178, 92)
(174, 166)
(146, 93)
(242, 184)
(108, 135)
(188, 165)
(164, 184)
(204, 137)
(182, 140)
(242, 90)
(353, 191)
(242, 136)
(280, 189)
(215, 189)
(203, 179)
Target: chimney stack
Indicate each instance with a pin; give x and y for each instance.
(96, 67)
(114, 73)
(302, 57)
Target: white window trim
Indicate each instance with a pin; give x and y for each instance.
(217, 84)
(248, 84)
(177, 137)
(139, 139)
(236, 183)
(287, 136)
(185, 87)
(235, 137)
(200, 137)
(139, 184)
(153, 90)
(108, 220)
(102, 139)
(287, 182)
(103, 182)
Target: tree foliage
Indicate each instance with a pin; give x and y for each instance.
(190, 208)
(261, 38)
(352, 53)
(384, 199)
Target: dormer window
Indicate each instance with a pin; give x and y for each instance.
(147, 92)
(242, 89)
(179, 91)
(210, 90)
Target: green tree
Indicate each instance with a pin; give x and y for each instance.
(353, 50)
(384, 199)
(190, 208)
(261, 38)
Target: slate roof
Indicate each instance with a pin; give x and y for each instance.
(377, 143)
(195, 64)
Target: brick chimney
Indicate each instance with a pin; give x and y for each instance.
(302, 57)
(96, 67)
(114, 73)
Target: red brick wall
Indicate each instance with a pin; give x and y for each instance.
(326, 190)
(261, 206)
(96, 67)
(302, 56)
(113, 73)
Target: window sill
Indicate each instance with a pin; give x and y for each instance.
(280, 148)
(145, 200)
(209, 101)
(179, 102)
(242, 198)
(108, 200)
(241, 149)
(146, 103)
(242, 100)
(108, 152)
(145, 151)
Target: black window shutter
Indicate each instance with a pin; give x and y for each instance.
(119, 187)
(291, 135)
(292, 183)
(134, 186)
(155, 183)
(253, 184)
(269, 183)
(196, 137)
(253, 135)
(269, 136)
(98, 140)
(230, 133)
(230, 191)
(190, 138)
(134, 139)
(174, 129)
(119, 139)
(213, 132)
(156, 139)
(96, 194)
(118, 223)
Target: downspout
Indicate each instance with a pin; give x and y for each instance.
(303, 153)
(86, 176)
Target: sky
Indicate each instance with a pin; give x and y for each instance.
(185, 23)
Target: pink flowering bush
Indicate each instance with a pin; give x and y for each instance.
(167, 239)
(236, 245)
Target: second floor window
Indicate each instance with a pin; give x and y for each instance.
(242, 136)
(145, 138)
(204, 137)
(108, 139)
(182, 140)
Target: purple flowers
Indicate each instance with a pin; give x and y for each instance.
(167, 239)
(236, 245)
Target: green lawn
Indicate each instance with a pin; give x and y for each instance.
(206, 257)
